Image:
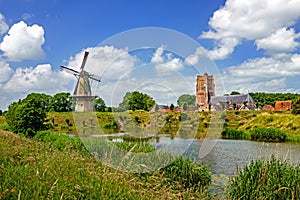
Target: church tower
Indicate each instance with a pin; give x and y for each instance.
(205, 88)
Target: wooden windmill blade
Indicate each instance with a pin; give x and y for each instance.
(95, 77)
(69, 70)
(84, 60)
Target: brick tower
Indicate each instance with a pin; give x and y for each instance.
(205, 88)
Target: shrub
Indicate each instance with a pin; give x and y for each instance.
(268, 134)
(230, 133)
(188, 174)
(273, 179)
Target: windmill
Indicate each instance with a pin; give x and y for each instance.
(82, 93)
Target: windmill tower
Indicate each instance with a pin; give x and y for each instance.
(82, 94)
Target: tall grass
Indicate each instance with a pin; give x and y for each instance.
(273, 179)
(268, 134)
(46, 168)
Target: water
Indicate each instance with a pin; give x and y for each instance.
(226, 156)
(229, 156)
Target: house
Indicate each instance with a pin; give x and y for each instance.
(268, 107)
(164, 108)
(233, 102)
(283, 105)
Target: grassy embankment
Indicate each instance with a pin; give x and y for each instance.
(189, 125)
(195, 124)
(55, 166)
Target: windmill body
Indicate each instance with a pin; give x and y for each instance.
(82, 94)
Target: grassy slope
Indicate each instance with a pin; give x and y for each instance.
(156, 122)
(33, 170)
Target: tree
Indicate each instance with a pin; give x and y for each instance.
(99, 105)
(172, 107)
(296, 107)
(186, 98)
(61, 102)
(235, 93)
(136, 101)
(26, 116)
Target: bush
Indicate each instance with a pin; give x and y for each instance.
(273, 179)
(27, 116)
(188, 174)
(268, 134)
(230, 133)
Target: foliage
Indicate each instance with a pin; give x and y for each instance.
(187, 173)
(172, 107)
(230, 133)
(187, 99)
(136, 101)
(262, 98)
(296, 107)
(61, 102)
(235, 93)
(268, 134)
(273, 179)
(27, 116)
(99, 105)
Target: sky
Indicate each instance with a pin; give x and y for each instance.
(156, 47)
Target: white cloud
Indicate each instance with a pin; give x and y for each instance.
(268, 74)
(105, 61)
(23, 42)
(283, 40)
(267, 67)
(158, 55)
(39, 79)
(165, 63)
(3, 25)
(222, 51)
(251, 20)
(5, 72)
(172, 65)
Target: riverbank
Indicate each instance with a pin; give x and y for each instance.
(194, 125)
(56, 166)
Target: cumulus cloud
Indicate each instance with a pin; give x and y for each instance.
(265, 22)
(38, 79)
(5, 72)
(268, 74)
(165, 63)
(252, 19)
(283, 40)
(23, 42)
(3, 25)
(108, 62)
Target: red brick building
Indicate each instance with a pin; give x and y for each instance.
(283, 105)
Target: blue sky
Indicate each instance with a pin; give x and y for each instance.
(253, 45)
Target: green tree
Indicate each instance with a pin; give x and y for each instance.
(235, 93)
(136, 101)
(99, 105)
(186, 98)
(61, 102)
(26, 116)
(296, 107)
(172, 107)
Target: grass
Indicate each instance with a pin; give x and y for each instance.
(271, 179)
(48, 167)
